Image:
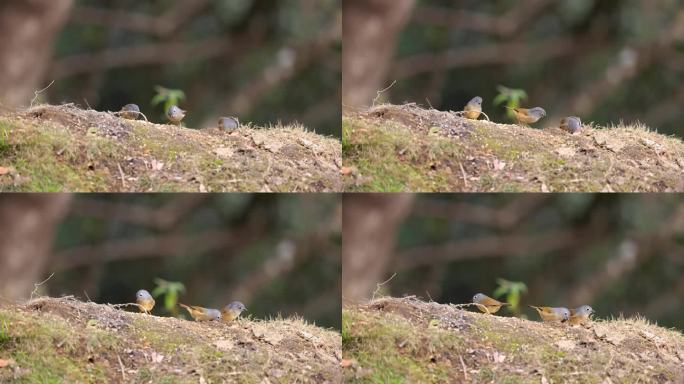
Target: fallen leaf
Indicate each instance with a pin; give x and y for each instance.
(157, 165)
(346, 363)
(346, 171)
(224, 344)
(223, 152)
(608, 141)
(653, 145)
(566, 152)
(6, 363)
(5, 170)
(565, 344)
(306, 143)
(156, 357)
(499, 165)
(607, 189)
(498, 357)
(274, 146)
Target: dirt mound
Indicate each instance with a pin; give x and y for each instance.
(65, 340)
(409, 148)
(431, 342)
(65, 148)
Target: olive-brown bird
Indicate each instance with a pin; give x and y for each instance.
(580, 315)
(486, 304)
(551, 314)
(202, 314)
(232, 311)
(473, 109)
(130, 112)
(528, 116)
(144, 300)
(571, 124)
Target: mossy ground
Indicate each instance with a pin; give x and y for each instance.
(64, 148)
(406, 340)
(408, 148)
(66, 341)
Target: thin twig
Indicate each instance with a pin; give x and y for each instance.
(380, 92)
(430, 104)
(123, 181)
(429, 297)
(465, 375)
(36, 93)
(381, 284)
(86, 295)
(123, 374)
(465, 181)
(35, 286)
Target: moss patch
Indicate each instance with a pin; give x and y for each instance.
(64, 148)
(408, 340)
(408, 148)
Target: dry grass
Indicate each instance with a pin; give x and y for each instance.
(408, 340)
(65, 340)
(64, 148)
(409, 148)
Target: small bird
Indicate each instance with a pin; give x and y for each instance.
(175, 115)
(528, 116)
(559, 314)
(228, 124)
(130, 111)
(580, 315)
(473, 109)
(202, 314)
(144, 300)
(232, 311)
(571, 124)
(486, 304)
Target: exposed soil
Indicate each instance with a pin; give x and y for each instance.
(429, 342)
(409, 148)
(65, 148)
(65, 340)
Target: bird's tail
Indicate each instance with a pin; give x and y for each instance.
(185, 306)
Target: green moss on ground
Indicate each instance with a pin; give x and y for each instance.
(406, 341)
(67, 341)
(64, 148)
(408, 148)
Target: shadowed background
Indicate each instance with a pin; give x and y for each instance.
(621, 254)
(606, 61)
(262, 61)
(279, 254)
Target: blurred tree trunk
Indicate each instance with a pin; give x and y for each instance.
(371, 30)
(369, 226)
(28, 29)
(28, 227)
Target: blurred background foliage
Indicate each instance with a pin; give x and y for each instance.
(279, 254)
(262, 61)
(603, 60)
(621, 254)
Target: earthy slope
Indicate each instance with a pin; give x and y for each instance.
(408, 148)
(64, 340)
(393, 340)
(64, 148)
